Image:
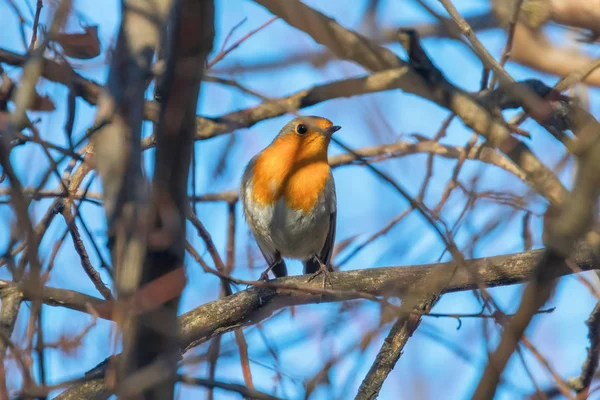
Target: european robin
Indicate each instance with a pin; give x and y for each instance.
(289, 198)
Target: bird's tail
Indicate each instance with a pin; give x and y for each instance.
(279, 269)
(312, 265)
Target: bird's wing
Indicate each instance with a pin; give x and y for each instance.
(327, 249)
(273, 258)
(246, 179)
(274, 261)
(312, 265)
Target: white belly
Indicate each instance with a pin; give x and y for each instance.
(293, 233)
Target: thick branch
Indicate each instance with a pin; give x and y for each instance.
(445, 28)
(209, 128)
(225, 314)
(255, 304)
(190, 41)
(94, 389)
(118, 160)
(9, 310)
(563, 228)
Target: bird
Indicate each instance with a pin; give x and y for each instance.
(289, 200)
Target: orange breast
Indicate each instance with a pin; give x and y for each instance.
(293, 168)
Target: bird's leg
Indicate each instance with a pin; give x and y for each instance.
(264, 276)
(323, 270)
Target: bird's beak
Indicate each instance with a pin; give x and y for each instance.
(332, 129)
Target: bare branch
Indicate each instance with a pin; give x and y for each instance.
(9, 311)
(426, 83)
(69, 299)
(564, 226)
(93, 389)
(255, 304)
(444, 28)
(117, 154)
(383, 152)
(83, 256)
(582, 383)
(391, 350)
(190, 41)
(244, 391)
(11, 301)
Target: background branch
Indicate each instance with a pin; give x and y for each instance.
(255, 304)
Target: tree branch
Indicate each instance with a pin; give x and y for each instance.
(117, 155)
(232, 387)
(191, 34)
(444, 28)
(427, 82)
(11, 302)
(483, 153)
(582, 383)
(563, 227)
(255, 304)
(55, 297)
(392, 349)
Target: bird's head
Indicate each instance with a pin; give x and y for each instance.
(306, 137)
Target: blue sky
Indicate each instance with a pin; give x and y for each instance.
(431, 366)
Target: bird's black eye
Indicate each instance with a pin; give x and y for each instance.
(301, 129)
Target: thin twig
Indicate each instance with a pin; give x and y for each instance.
(392, 223)
(509, 39)
(36, 21)
(236, 44)
(223, 271)
(83, 256)
(39, 348)
(232, 387)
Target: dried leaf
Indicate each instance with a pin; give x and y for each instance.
(81, 45)
(42, 103)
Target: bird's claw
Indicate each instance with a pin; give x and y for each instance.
(264, 276)
(323, 270)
